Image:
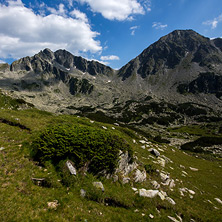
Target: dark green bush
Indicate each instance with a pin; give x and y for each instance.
(80, 144)
(150, 169)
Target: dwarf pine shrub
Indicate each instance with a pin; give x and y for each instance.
(80, 144)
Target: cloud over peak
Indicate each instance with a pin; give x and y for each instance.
(23, 32)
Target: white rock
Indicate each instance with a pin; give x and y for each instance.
(117, 124)
(148, 193)
(191, 192)
(181, 166)
(170, 200)
(53, 205)
(172, 183)
(99, 185)
(160, 150)
(155, 184)
(113, 128)
(143, 147)
(82, 193)
(151, 216)
(140, 176)
(142, 141)
(164, 177)
(71, 168)
(193, 169)
(134, 189)
(104, 127)
(162, 195)
(154, 151)
(134, 141)
(184, 172)
(126, 180)
(218, 200)
(161, 162)
(2, 148)
(91, 121)
(173, 219)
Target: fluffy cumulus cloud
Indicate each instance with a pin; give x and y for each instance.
(118, 10)
(23, 32)
(109, 57)
(213, 23)
(159, 25)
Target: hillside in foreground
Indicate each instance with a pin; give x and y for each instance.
(168, 184)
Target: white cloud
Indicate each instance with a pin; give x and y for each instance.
(1, 61)
(213, 23)
(133, 29)
(22, 32)
(60, 11)
(109, 57)
(79, 15)
(159, 25)
(118, 10)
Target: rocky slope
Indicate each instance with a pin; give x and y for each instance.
(177, 76)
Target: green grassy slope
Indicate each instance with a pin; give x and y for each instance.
(22, 200)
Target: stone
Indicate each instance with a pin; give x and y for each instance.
(181, 166)
(154, 152)
(143, 147)
(218, 200)
(170, 200)
(99, 185)
(142, 141)
(82, 193)
(124, 167)
(193, 169)
(104, 127)
(184, 172)
(91, 121)
(117, 124)
(151, 216)
(113, 128)
(172, 183)
(2, 148)
(71, 168)
(39, 181)
(115, 178)
(134, 189)
(173, 219)
(140, 176)
(162, 195)
(191, 192)
(161, 162)
(53, 205)
(164, 177)
(134, 141)
(148, 193)
(155, 184)
(126, 180)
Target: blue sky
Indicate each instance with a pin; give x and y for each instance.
(110, 31)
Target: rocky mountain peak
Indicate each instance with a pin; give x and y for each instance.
(170, 50)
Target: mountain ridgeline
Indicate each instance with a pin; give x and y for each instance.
(174, 79)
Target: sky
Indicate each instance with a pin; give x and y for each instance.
(110, 31)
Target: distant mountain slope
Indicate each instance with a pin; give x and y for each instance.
(182, 67)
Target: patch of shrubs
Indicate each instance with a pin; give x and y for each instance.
(80, 144)
(196, 145)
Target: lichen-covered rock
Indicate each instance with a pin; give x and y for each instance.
(140, 176)
(148, 193)
(99, 185)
